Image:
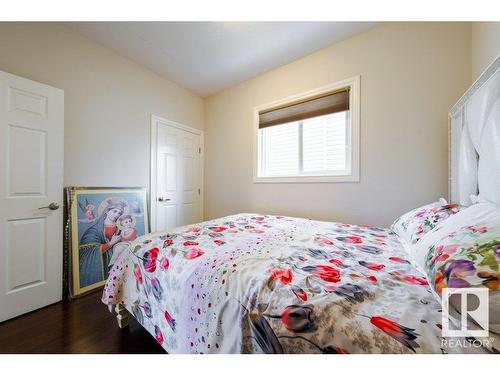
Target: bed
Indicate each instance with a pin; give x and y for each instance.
(251, 283)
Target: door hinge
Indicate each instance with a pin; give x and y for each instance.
(199, 191)
(199, 150)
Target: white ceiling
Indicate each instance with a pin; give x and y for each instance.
(207, 57)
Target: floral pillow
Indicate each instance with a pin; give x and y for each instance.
(464, 252)
(414, 224)
(468, 257)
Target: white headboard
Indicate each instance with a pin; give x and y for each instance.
(475, 140)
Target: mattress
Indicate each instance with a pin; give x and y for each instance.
(251, 283)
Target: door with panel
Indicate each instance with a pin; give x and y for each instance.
(31, 193)
(178, 176)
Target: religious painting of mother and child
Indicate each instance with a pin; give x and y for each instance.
(103, 224)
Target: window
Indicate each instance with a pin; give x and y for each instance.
(309, 138)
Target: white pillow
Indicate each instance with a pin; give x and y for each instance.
(482, 211)
(413, 225)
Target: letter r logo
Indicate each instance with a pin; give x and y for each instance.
(471, 304)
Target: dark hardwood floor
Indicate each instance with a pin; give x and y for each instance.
(83, 325)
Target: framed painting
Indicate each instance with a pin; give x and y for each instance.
(102, 223)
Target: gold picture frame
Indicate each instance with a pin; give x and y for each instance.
(101, 223)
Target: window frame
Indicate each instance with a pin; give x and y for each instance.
(352, 133)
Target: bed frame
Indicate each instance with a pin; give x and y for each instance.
(474, 149)
(122, 315)
(474, 140)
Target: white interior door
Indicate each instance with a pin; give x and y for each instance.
(176, 175)
(31, 176)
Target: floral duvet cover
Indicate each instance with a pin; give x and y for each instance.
(253, 283)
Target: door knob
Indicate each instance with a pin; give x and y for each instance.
(53, 206)
(161, 199)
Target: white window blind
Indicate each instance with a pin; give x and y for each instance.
(280, 150)
(324, 143)
(310, 147)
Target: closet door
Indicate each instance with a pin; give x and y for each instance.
(176, 196)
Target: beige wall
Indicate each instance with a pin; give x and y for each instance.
(108, 101)
(485, 45)
(411, 73)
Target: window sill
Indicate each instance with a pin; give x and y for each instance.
(305, 179)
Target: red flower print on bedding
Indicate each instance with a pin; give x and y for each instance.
(149, 259)
(372, 266)
(164, 264)
(190, 243)
(325, 273)
(138, 274)
(283, 276)
(193, 253)
(474, 229)
(257, 231)
(350, 239)
(297, 318)
(323, 241)
(299, 292)
(371, 279)
(409, 279)
(398, 260)
(443, 252)
(158, 335)
(337, 262)
(404, 335)
(170, 320)
(217, 229)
